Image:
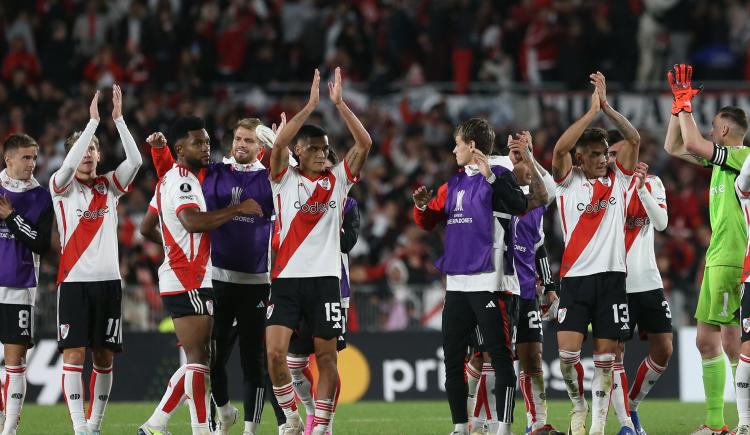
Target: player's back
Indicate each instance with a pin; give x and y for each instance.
(187, 260)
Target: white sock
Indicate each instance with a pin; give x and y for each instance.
(572, 373)
(601, 387)
(285, 396)
(645, 379)
(473, 376)
(100, 386)
(72, 380)
(478, 416)
(533, 389)
(298, 368)
(197, 392)
(461, 428)
(323, 410)
(488, 373)
(226, 411)
(173, 397)
(742, 384)
(619, 392)
(503, 429)
(14, 392)
(250, 427)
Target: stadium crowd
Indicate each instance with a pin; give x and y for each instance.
(177, 58)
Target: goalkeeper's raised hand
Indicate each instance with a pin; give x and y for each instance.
(680, 82)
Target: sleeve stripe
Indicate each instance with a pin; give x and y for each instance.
(352, 178)
(719, 156)
(184, 206)
(24, 228)
(58, 189)
(564, 177)
(279, 176)
(623, 170)
(117, 183)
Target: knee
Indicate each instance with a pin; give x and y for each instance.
(276, 356)
(326, 360)
(706, 347)
(75, 356)
(662, 354)
(533, 363)
(102, 358)
(198, 354)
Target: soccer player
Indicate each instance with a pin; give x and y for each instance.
(530, 261)
(301, 345)
(591, 203)
(477, 295)
(185, 275)
(309, 201)
(241, 263)
(89, 292)
(25, 230)
(648, 308)
(742, 378)
(719, 297)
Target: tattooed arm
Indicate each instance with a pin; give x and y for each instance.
(357, 155)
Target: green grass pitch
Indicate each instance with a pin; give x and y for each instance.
(659, 417)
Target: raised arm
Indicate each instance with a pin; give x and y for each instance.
(64, 175)
(357, 155)
(674, 145)
(538, 193)
(562, 162)
(628, 154)
(680, 82)
(126, 171)
(280, 152)
(656, 212)
(160, 154)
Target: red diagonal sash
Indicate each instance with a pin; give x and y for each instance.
(189, 272)
(635, 211)
(587, 224)
(302, 225)
(88, 226)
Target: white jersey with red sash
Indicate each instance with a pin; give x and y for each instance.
(643, 273)
(310, 213)
(87, 223)
(187, 259)
(592, 213)
(745, 203)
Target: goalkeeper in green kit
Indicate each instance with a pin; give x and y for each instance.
(719, 299)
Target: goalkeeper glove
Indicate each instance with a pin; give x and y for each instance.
(680, 82)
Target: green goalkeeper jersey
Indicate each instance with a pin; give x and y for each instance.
(728, 234)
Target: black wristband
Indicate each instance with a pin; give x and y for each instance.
(552, 287)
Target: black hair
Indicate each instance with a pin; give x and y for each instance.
(592, 136)
(309, 131)
(16, 141)
(614, 136)
(181, 127)
(480, 131)
(734, 114)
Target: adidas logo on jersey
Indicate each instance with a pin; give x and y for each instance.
(25, 332)
(625, 327)
(337, 325)
(491, 304)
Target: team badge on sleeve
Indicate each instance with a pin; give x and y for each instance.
(561, 314)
